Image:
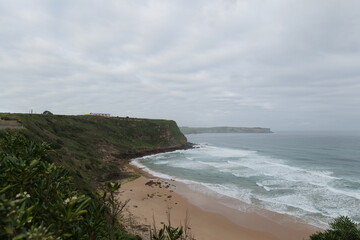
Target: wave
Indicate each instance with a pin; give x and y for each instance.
(139, 165)
(265, 187)
(352, 193)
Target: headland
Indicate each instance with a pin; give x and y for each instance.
(198, 130)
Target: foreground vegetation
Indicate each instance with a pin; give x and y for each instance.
(342, 228)
(38, 200)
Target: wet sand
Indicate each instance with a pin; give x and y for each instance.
(208, 219)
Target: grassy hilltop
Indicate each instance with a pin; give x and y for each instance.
(92, 148)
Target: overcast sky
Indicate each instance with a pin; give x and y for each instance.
(283, 64)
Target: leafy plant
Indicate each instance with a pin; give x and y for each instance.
(38, 199)
(167, 232)
(113, 205)
(342, 228)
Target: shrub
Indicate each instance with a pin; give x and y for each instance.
(342, 228)
(38, 199)
(167, 232)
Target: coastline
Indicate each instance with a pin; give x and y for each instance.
(153, 197)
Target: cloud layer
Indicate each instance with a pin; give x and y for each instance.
(283, 64)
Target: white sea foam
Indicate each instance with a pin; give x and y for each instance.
(294, 200)
(265, 187)
(258, 165)
(227, 153)
(162, 162)
(353, 193)
(189, 165)
(137, 164)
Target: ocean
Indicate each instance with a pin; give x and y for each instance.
(314, 176)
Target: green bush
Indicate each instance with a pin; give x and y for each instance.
(38, 199)
(342, 228)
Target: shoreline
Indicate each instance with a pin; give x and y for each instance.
(153, 197)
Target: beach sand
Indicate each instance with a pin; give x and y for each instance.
(208, 219)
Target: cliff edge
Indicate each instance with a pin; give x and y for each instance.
(93, 148)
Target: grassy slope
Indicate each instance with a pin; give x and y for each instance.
(93, 148)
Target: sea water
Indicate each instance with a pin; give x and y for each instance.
(314, 176)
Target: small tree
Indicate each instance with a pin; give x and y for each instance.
(47, 113)
(342, 228)
(114, 206)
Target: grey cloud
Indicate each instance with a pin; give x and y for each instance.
(280, 64)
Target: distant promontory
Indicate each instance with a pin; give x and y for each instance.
(192, 130)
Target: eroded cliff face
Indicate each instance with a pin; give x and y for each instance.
(94, 148)
(9, 124)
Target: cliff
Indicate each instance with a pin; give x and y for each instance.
(190, 130)
(94, 149)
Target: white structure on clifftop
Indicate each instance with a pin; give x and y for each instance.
(100, 114)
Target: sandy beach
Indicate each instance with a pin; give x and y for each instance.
(208, 219)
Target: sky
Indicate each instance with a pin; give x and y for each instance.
(283, 64)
